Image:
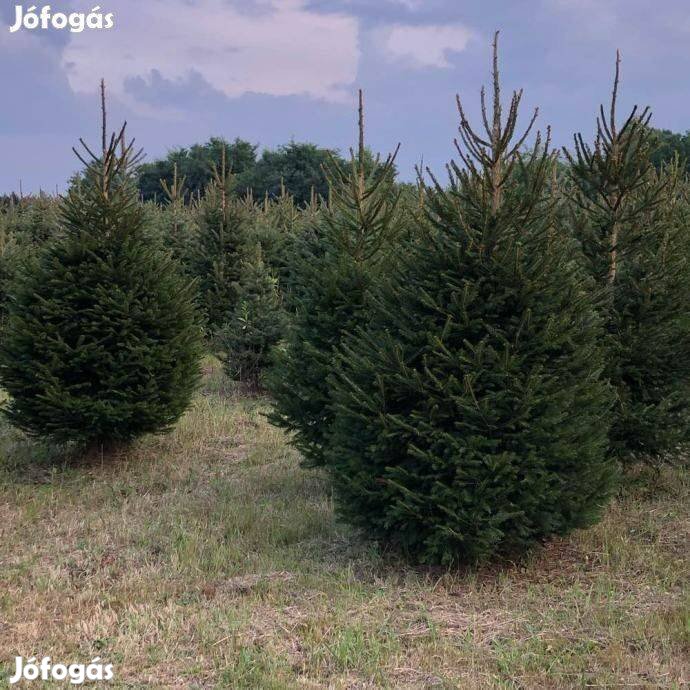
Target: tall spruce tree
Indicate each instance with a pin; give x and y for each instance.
(632, 225)
(333, 268)
(469, 414)
(101, 343)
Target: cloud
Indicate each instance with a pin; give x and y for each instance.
(411, 5)
(424, 46)
(275, 47)
(590, 18)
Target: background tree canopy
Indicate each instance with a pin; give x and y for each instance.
(195, 164)
(667, 144)
(297, 166)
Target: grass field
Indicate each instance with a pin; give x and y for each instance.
(208, 558)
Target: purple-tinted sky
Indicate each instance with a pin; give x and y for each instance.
(271, 70)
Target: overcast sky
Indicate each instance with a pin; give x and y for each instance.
(180, 71)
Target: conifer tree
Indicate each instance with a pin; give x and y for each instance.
(176, 220)
(256, 324)
(632, 225)
(300, 242)
(36, 220)
(225, 222)
(26, 226)
(101, 343)
(10, 251)
(333, 268)
(469, 414)
(278, 223)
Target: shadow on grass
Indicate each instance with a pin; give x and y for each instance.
(28, 460)
(646, 481)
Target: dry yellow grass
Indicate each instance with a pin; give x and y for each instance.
(208, 559)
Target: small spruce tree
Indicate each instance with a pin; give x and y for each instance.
(631, 222)
(300, 241)
(225, 223)
(278, 224)
(333, 267)
(26, 225)
(256, 325)
(470, 418)
(36, 220)
(176, 220)
(101, 343)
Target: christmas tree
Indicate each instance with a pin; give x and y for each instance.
(176, 220)
(25, 227)
(35, 220)
(101, 343)
(225, 222)
(256, 325)
(334, 265)
(470, 418)
(631, 222)
(279, 222)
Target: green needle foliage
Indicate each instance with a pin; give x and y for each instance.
(470, 418)
(632, 224)
(256, 325)
(101, 343)
(225, 222)
(176, 220)
(279, 225)
(25, 226)
(332, 272)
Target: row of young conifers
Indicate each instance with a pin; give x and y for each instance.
(471, 362)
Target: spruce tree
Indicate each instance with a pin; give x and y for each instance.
(278, 223)
(10, 251)
(256, 324)
(101, 343)
(301, 241)
(470, 418)
(225, 222)
(26, 225)
(176, 220)
(334, 265)
(632, 225)
(36, 220)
